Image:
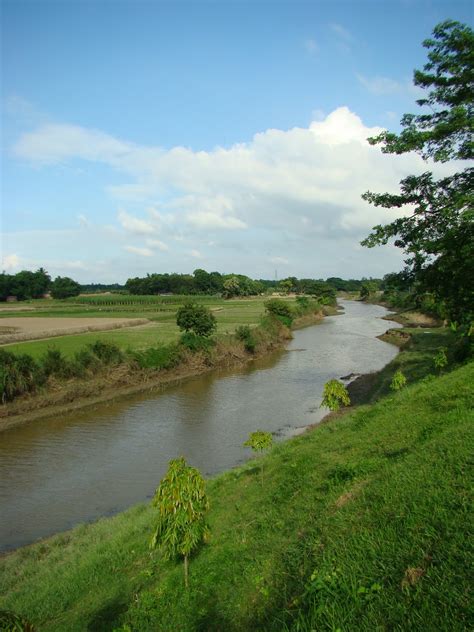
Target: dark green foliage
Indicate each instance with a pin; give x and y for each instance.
(196, 318)
(107, 352)
(245, 335)
(279, 308)
(64, 287)
(85, 360)
(438, 235)
(24, 284)
(12, 622)
(54, 363)
(194, 343)
(162, 357)
(18, 375)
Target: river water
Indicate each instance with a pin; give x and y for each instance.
(60, 471)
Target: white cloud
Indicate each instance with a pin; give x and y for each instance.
(135, 225)
(142, 252)
(196, 254)
(11, 263)
(279, 260)
(295, 192)
(156, 243)
(380, 85)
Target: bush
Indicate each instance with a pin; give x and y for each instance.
(335, 395)
(64, 287)
(107, 352)
(194, 343)
(18, 375)
(191, 317)
(54, 363)
(85, 360)
(163, 357)
(245, 335)
(398, 382)
(281, 309)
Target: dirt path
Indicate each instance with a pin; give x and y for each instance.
(17, 329)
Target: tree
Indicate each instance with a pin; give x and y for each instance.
(182, 503)
(259, 441)
(64, 287)
(335, 395)
(231, 287)
(196, 318)
(438, 235)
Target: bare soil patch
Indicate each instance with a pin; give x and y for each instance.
(35, 328)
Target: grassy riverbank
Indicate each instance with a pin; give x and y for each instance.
(361, 524)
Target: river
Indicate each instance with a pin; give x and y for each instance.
(58, 472)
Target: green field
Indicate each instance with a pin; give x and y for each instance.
(362, 524)
(160, 310)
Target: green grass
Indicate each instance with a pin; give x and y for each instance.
(416, 360)
(229, 315)
(361, 525)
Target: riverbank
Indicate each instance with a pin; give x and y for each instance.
(121, 381)
(361, 524)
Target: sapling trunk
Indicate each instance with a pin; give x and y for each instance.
(186, 580)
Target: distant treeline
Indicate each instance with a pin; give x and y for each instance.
(229, 285)
(27, 285)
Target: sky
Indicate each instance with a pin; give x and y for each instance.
(164, 136)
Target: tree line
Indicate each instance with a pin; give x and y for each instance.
(234, 285)
(26, 285)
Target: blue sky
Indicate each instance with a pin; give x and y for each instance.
(165, 136)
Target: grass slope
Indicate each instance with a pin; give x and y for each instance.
(361, 524)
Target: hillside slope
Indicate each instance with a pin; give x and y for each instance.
(361, 524)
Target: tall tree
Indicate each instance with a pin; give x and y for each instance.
(438, 235)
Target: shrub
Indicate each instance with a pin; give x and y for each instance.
(162, 357)
(18, 375)
(85, 360)
(194, 343)
(245, 335)
(54, 363)
(107, 352)
(196, 318)
(335, 395)
(398, 382)
(440, 360)
(281, 309)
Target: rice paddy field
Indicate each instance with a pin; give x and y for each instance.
(159, 310)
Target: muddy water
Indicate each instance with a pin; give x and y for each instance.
(55, 473)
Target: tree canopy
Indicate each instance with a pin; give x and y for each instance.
(438, 235)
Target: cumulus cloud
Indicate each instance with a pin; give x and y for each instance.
(142, 252)
(156, 243)
(134, 225)
(291, 191)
